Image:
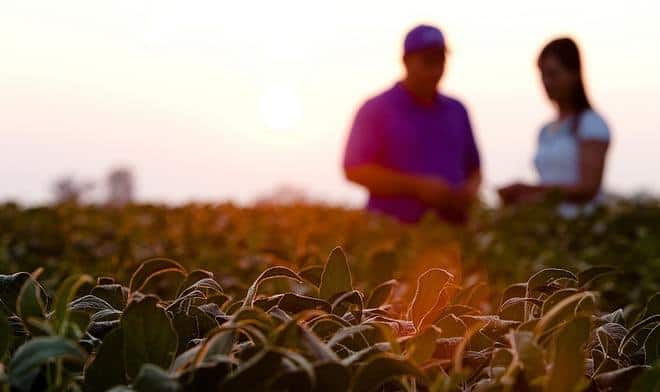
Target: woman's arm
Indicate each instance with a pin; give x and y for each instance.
(592, 165)
(592, 155)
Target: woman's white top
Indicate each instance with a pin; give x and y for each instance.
(557, 158)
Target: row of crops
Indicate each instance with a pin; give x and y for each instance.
(262, 298)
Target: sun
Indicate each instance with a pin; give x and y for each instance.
(280, 108)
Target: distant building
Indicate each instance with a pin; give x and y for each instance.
(68, 190)
(120, 187)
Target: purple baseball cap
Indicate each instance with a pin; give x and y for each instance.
(423, 37)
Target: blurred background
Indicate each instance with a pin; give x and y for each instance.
(216, 100)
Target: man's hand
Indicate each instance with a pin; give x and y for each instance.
(432, 191)
(510, 193)
(438, 193)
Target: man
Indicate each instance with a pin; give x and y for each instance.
(411, 146)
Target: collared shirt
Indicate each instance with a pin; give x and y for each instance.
(395, 131)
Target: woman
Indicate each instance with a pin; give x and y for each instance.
(570, 158)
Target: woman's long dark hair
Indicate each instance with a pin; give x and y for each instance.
(568, 54)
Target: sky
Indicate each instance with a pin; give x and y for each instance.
(219, 100)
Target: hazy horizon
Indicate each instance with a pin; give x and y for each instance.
(211, 101)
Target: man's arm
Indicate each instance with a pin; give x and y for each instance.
(382, 181)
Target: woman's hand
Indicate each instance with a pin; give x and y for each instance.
(522, 193)
(511, 193)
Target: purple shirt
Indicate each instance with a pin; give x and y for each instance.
(394, 131)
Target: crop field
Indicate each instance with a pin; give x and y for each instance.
(317, 298)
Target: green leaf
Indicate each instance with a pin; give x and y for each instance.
(381, 368)
(614, 317)
(648, 380)
(547, 276)
(270, 273)
(381, 294)
(620, 379)
(652, 305)
(152, 268)
(348, 301)
(302, 378)
(562, 311)
(114, 294)
(208, 286)
(652, 345)
(254, 316)
(294, 303)
(457, 310)
(331, 377)
(511, 303)
(451, 326)
(254, 374)
(151, 378)
(468, 295)
(312, 274)
(65, 294)
(31, 307)
(207, 376)
(348, 333)
(555, 298)
(514, 290)
(108, 368)
(194, 277)
(429, 288)
(38, 351)
(647, 322)
(422, 346)
(336, 276)
(219, 343)
(90, 304)
(527, 355)
(296, 336)
(590, 274)
(609, 335)
(5, 334)
(10, 287)
(148, 335)
(568, 361)
(459, 353)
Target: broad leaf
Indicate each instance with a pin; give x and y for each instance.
(254, 374)
(65, 294)
(336, 276)
(36, 352)
(151, 378)
(429, 287)
(270, 273)
(108, 368)
(567, 361)
(546, 276)
(148, 335)
(381, 294)
(151, 268)
(590, 274)
(381, 368)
